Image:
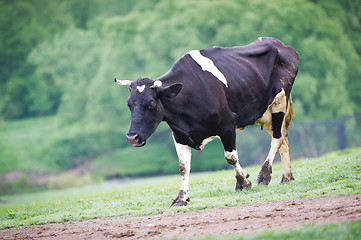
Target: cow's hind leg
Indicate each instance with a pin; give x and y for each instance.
(273, 120)
(230, 153)
(184, 155)
(284, 149)
(264, 176)
(286, 163)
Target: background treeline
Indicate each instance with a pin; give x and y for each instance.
(60, 109)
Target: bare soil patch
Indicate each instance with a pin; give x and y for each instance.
(229, 220)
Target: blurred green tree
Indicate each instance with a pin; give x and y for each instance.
(23, 25)
(67, 63)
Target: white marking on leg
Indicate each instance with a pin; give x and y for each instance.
(184, 155)
(141, 88)
(275, 145)
(232, 158)
(207, 65)
(285, 158)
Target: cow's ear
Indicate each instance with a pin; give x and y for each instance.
(171, 91)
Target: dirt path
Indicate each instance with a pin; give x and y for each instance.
(229, 220)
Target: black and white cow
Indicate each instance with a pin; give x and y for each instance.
(212, 92)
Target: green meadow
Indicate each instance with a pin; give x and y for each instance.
(333, 174)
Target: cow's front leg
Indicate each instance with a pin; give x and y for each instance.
(231, 156)
(184, 155)
(241, 175)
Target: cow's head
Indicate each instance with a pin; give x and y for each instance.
(145, 105)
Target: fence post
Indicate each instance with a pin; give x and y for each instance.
(341, 134)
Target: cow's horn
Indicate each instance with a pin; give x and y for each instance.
(122, 82)
(156, 84)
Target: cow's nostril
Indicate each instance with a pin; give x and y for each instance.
(132, 137)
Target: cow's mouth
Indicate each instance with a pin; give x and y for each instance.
(139, 144)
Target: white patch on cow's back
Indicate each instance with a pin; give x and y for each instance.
(207, 65)
(141, 88)
(260, 38)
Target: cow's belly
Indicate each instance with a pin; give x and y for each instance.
(260, 113)
(249, 112)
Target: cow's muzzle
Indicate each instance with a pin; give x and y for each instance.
(135, 139)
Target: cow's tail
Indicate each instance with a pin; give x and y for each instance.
(290, 112)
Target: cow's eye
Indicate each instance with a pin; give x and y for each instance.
(151, 104)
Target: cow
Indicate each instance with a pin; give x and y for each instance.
(212, 92)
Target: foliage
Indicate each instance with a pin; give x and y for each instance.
(348, 13)
(22, 27)
(68, 68)
(334, 174)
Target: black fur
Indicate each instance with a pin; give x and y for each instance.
(277, 119)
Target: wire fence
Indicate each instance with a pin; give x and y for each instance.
(306, 139)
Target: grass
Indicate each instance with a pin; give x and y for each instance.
(333, 174)
(345, 231)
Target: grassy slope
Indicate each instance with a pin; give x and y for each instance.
(333, 174)
(345, 231)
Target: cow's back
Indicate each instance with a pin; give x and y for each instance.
(255, 73)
